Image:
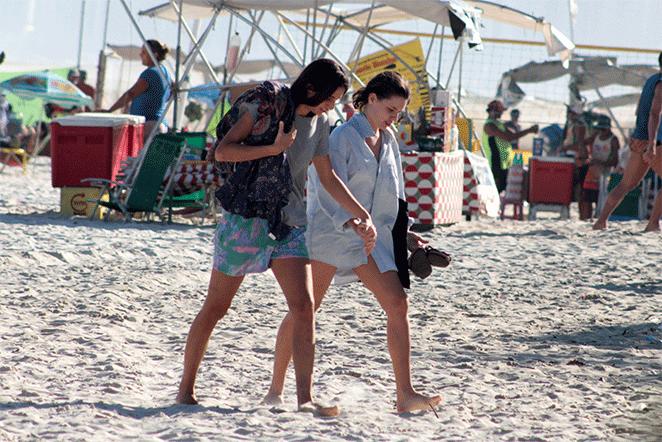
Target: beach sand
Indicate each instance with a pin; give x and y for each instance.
(537, 331)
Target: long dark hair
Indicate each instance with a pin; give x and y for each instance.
(318, 81)
(159, 49)
(385, 85)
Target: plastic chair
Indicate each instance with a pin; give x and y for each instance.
(518, 208)
(16, 154)
(144, 189)
(11, 152)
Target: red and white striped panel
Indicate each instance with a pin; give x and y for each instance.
(470, 202)
(434, 186)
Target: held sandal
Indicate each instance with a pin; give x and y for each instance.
(419, 264)
(438, 258)
(423, 258)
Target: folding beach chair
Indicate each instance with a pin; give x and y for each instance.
(10, 149)
(15, 155)
(201, 201)
(142, 190)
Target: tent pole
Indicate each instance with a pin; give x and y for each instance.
(176, 103)
(101, 69)
(450, 73)
(197, 43)
(459, 82)
(80, 35)
(441, 50)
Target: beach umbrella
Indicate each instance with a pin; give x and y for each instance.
(48, 86)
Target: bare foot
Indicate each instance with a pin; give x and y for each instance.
(188, 399)
(652, 228)
(418, 402)
(320, 410)
(599, 225)
(273, 399)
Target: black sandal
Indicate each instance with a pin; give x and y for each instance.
(419, 263)
(437, 258)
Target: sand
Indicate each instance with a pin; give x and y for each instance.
(537, 331)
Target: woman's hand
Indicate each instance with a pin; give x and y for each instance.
(415, 241)
(283, 139)
(367, 231)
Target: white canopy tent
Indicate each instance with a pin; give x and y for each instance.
(586, 74)
(463, 18)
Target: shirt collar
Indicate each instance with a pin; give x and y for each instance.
(362, 125)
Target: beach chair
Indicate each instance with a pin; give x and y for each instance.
(201, 201)
(13, 155)
(142, 190)
(10, 149)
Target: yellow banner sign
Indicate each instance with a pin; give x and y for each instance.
(410, 53)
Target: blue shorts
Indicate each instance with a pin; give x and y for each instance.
(242, 245)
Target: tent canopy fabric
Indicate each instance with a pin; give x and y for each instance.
(555, 41)
(452, 13)
(587, 72)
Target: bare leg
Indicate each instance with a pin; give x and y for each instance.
(393, 299)
(322, 276)
(295, 278)
(634, 172)
(654, 220)
(585, 210)
(222, 289)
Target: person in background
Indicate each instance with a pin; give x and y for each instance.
(263, 123)
(86, 88)
(574, 146)
(89, 90)
(513, 126)
(13, 133)
(497, 142)
(365, 153)
(5, 110)
(602, 148)
(148, 96)
(645, 152)
(73, 75)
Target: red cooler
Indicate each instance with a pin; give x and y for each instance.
(87, 147)
(550, 180)
(135, 124)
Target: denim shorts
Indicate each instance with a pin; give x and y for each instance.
(242, 245)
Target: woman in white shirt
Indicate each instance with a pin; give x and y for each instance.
(364, 153)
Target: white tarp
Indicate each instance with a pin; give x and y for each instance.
(588, 73)
(453, 13)
(555, 41)
(445, 13)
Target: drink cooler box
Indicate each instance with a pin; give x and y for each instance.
(550, 180)
(92, 145)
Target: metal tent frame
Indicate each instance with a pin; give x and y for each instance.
(462, 18)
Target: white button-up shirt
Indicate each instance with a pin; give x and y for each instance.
(377, 185)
